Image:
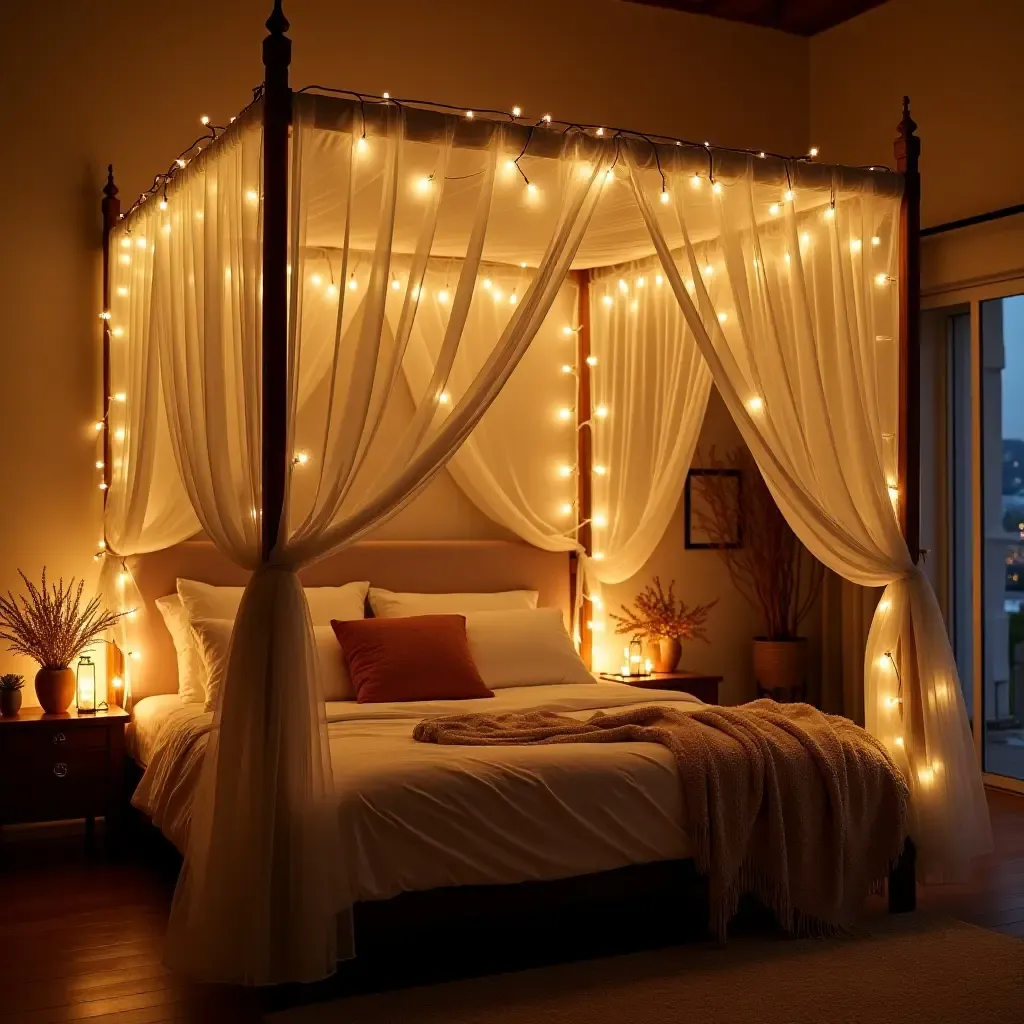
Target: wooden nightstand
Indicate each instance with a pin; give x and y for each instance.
(62, 766)
(701, 686)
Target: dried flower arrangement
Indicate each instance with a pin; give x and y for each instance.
(656, 614)
(50, 626)
(772, 570)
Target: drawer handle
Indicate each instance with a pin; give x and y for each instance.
(58, 737)
(60, 769)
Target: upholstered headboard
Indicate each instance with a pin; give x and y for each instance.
(415, 566)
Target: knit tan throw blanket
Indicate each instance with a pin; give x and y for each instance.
(805, 810)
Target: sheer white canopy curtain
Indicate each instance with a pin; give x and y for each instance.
(790, 293)
(392, 216)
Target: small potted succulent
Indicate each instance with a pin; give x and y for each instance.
(665, 621)
(10, 694)
(51, 628)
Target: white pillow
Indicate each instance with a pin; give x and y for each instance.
(386, 604)
(523, 647)
(191, 672)
(213, 640)
(203, 601)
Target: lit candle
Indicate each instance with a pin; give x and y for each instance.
(648, 666)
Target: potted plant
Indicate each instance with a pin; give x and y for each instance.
(10, 694)
(51, 628)
(664, 620)
(770, 567)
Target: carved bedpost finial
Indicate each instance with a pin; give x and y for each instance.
(277, 23)
(110, 189)
(907, 146)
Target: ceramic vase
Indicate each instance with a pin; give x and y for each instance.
(780, 668)
(669, 651)
(10, 703)
(55, 688)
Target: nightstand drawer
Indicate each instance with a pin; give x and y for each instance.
(53, 738)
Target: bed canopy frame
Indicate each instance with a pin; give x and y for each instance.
(275, 105)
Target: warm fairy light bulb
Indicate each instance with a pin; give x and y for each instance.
(565, 413)
(252, 195)
(135, 655)
(353, 284)
(565, 508)
(565, 471)
(813, 151)
(444, 398)
(623, 287)
(884, 606)
(883, 661)
(600, 131)
(881, 279)
(607, 300)
(898, 741)
(755, 404)
(316, 280)
(546, 119)
(517, 111)
(469, 115)
(722, 317)
(141, 243)
(531, 189)
(98, 426)
(300, 458)
(875, 240)
(567, 331)
(513, 299)
(105, 315)
(510, 166)
(894, 491)
(487, 283)
(386, 95)
(126, 243)
(119, 434)
(591, 360)
(665, 197)
(600, 520)
(855, 245)
(119, 396)
(122, 578)
(396, 285)
(122, 291)
(829, 213)
(566, 368)
(598, 556)
(716, 188)
(805, 239)
(99, 463)
(695, 181)
(163, 204)
(773, 210)
(787, 258)
(103, 485)
(892, 702)
(601, 470)
(331, 291)
(926, 775)
(762, 154)
(498, 294)
(641, 282)
(708, 270)
(690, 286)
(423, 184)
(118, 332)
(634, 305)
(601, 412)
(659, 280)
(181, 162)
(789, 196)
(101, 544)
(609, 175)
(204, 120)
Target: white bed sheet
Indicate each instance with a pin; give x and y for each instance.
(420, 816)
(149, 718)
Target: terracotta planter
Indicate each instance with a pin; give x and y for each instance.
(667, 654)
(10, 703)
(780, 668)
(55, 688)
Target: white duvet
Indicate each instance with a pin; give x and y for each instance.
(421, 816)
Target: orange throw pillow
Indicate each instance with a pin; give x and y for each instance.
(421, 657)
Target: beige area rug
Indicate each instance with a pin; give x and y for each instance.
(908, 970)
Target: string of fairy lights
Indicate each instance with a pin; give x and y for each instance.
(619, 290)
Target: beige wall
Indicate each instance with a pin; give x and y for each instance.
(88, 83)
(960, 62)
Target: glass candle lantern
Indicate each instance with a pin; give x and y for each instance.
(85, 686)
(636, 656)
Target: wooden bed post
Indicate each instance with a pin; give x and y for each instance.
(908, 153)
(111, 207)
(277, 104)
(584, 454)
(903, 877)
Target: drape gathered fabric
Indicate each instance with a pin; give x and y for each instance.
(363, 450)
(793, 304)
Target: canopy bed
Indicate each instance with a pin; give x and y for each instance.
(322, 304)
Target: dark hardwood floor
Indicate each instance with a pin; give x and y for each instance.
(81, 938)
